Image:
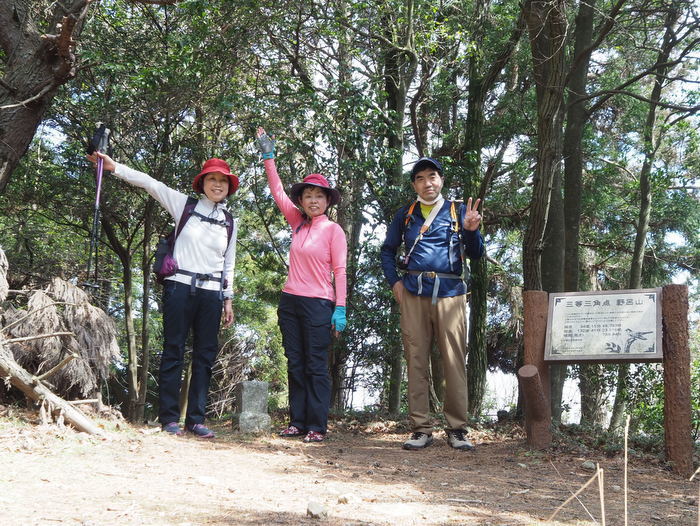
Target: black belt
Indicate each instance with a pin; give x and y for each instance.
(196, 276)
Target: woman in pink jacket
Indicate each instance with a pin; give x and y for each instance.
(312, 303)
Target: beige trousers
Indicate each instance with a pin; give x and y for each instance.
(446, 322)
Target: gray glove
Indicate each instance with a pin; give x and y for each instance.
(266, 146)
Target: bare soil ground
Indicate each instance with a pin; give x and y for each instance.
(360, 475)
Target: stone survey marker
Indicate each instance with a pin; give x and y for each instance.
(251, 402)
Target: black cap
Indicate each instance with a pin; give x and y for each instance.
(423, 163)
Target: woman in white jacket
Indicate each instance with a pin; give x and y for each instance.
(194, 296)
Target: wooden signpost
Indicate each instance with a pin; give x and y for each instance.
(645, 325)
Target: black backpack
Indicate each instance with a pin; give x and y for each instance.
(164, 264)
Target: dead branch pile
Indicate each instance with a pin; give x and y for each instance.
(57, 336)
(63, 308)
(229, 370)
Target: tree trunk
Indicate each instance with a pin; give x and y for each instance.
(185, 389)
(546, 22)
(576, 119)
(477, 360)
(479, 87)
(553, 281)
(400, 63)
(395, 366)
(349, 213)
(592, 390)
(649, 148)
(617, 417)
(145, 363)
(38, 59)
(395, 379)
(132, 366)
(437, 379)
(126, 260)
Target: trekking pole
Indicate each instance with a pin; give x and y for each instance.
(99, 143)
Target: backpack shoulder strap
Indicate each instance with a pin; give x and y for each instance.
(229, 225)
(186, 213)
(409, 213)
(454, 216)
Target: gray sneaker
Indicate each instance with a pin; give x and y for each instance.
(456, 438)
(418, 440)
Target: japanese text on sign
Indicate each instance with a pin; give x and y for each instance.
(615, 325)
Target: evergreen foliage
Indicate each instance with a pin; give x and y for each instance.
(180, 83)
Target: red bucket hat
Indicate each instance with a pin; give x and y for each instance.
(314, 180)
(215, 165)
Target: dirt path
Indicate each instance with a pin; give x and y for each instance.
(361, 476)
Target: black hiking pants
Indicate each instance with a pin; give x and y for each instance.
(182, 310)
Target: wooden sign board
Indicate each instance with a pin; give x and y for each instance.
(604, 326)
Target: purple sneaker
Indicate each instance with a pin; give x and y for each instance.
(200, 431)
(172, 428)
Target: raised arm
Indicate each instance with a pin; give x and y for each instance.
(172, 200)
(284, 203)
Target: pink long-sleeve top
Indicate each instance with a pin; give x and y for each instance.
(318, 255)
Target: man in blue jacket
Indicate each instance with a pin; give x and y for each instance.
(437, 234)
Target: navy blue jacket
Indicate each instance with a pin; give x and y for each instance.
(438, 251)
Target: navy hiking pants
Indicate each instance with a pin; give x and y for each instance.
(305, 324)
(182, 310)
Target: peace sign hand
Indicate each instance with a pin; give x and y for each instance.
(472, 217)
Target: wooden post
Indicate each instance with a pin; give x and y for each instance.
(677, 409)
(537, 410)
(538, 413)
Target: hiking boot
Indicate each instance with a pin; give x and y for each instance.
(418, 440)
(456, 438)
(291, 432)
(172, 428)
(314, 436)
(200, 431)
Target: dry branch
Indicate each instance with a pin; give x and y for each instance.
(594, 477)
(57, 368)
(601, 493)
(627, 432)
(25, 382)
(693, 475)
(229, 370)
(88, 401)
(20, 320)
(4, 286)
(38, 337)
(46, 336)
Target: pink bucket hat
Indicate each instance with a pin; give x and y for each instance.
(314, 180)
(215, 165)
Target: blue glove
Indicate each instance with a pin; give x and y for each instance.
(266, 146)
(338, 320)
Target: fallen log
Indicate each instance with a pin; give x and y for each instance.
(33, 388)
